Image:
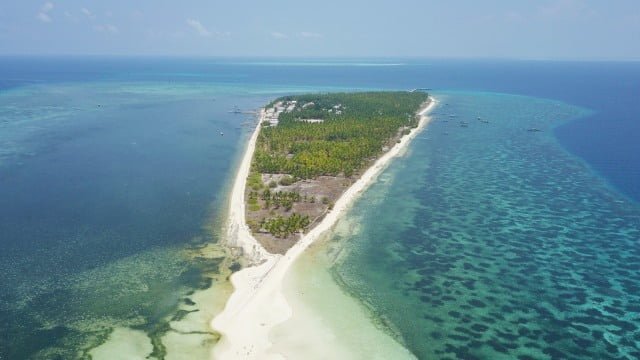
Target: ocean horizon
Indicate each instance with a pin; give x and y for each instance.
(114, 173)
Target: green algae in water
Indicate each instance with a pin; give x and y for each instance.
(491, 241)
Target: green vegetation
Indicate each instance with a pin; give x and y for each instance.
(287, 180)
(355, 128)
(253, 204)
(279, 199)
(283, 227)
(254, 181)
(322, 134)
(274, 199)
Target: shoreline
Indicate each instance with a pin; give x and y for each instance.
(258, 304)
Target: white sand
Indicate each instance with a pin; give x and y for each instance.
(327, 322)
(238, 233)
(258, 303)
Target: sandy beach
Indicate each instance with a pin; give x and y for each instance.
(258, 302)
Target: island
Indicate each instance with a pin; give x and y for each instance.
(309, 157)
(313, 147)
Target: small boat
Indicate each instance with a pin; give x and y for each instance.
(534, 130)
(236, 110)
(221, 133)
(464, 124)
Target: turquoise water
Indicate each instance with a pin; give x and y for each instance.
(491, 241)
(113, 177)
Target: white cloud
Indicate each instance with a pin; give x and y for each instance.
(44, 17)
(43, 14)
(198, 27)
(278, 35)
(107, 28)
(87, 13)
(309, 35)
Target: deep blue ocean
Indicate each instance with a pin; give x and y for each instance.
(113, 169)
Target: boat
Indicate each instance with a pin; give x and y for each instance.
(533, 130)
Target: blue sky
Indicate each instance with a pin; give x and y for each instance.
(525, 29)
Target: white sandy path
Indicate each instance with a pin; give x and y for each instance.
(257, 303)
(238, 233)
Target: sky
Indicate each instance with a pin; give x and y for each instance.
(515, 29)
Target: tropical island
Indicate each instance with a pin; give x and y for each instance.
(313, 147)
(309, 157)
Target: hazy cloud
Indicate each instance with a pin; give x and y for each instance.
(198, 27)
(44, 17)
(87, 13)
(43, 14)
(107, 28)
(278, 35)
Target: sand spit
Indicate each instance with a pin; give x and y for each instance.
(258, 302)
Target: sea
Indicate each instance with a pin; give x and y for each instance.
(509, 229)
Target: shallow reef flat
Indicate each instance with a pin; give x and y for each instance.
(501, 244)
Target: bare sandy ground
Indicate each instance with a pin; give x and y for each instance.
(258, 302)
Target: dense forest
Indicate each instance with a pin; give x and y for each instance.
(349, 129)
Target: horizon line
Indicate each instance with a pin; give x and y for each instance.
(316, 57)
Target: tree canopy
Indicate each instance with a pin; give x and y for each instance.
(354, 128)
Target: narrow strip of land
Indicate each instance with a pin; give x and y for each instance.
(258, 303)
